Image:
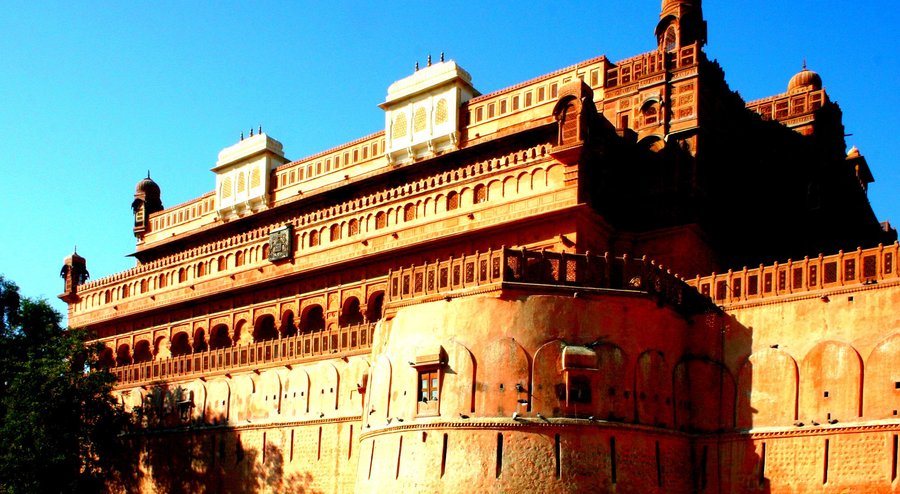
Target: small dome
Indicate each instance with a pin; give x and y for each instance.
(805, 80)
(147, 187)
(73, 258)
(854, 152)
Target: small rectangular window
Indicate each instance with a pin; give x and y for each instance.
(540, 95)
(503, 107)
(553, 88)
(515, 103)
(490, 110)
(479, 114)
(528, 99)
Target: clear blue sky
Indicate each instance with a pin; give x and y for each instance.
(93, 94)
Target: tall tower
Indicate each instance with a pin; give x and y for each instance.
(680, 24)
(146, 202)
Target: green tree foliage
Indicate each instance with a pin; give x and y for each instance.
(60, 427)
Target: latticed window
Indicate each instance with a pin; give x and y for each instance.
(670, 42)
(650, 113)
(419, 120)
(452, 201)
(399, 129)
(242, 182)
(440, 113)
(480, 194)
(226, 188)
(353, 227)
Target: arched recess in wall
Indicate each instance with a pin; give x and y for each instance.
(264, 328)
(218, 337)
(350, 312)
(195, 392)
(218, 401)
(653, 389)
(313, 319)
(287, 326)
(200, 344)
(243, 388)
(548, 395)
(295, 402)
(142, 351)
(179, 345)
(881, 398)
(353, 386)
(831, 383)
(123, 355)
(162, 347)
(241, 335)
(767, 390)
(703, 396)
(324, 381)
(106, 359)
(505, 363)
(374, 306)
(266, 400)
(458, 388)
(379, 392)
(614, 398)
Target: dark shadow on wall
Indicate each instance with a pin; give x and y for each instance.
(169, 452)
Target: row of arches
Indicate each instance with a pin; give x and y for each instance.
(506, 188)
(652, 388)
(325, 389)
(265, 328)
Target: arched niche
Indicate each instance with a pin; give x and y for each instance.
(379, 391)
(548, 395)
(505, 363)
(242, 388)
(458, 387)
(612, 384)
(324, 382)
(354, 384)
(881, 395)
(652, 389)
(831, 383)
(767, 390)
(704, 396)
(295, 400)
(218, 401)
(266, 400)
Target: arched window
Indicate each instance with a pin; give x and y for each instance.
(218, 337)
(440, 113)
(479, 194)
(314, 238)
(288, 328)
(452, 201)
(123, 355)
(373, 309)
(409, 212)
(399, 128)
(200, 344)
(182, 275)
(313, 319)
(419, 120)
(239, 258)
(241, 182)
(221, 264)
(105, 359)
(181, 344)
(142, 352)
(650, 113)
(265, 329)
(226, 188)
(350, 313)
(335, 232)
(201, 269)
(162, 281)
(143, 286)
(353, 227)
(670, 42)
(380, 220)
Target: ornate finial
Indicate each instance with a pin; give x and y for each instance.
(442, 56)
(804, 63)
(242, 135)
(260, 129)
(76, 249)
(251, 131)
(148, 173)
(417, 65)
(429, 59)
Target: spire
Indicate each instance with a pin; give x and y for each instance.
(680, 24)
